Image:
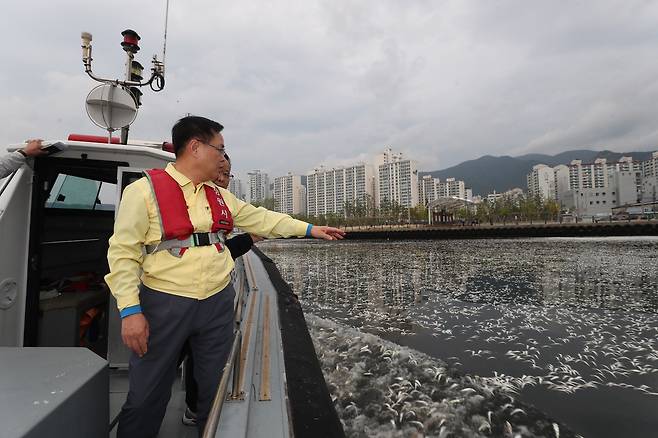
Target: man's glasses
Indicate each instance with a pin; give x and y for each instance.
(217, 148)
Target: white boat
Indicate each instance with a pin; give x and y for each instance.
(63, 365)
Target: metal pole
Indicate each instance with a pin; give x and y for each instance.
(233, 363)
(129, 63)
(216, 408)
(235, 391)
(110, 97)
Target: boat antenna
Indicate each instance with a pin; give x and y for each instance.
(164, 44)
(133, 76)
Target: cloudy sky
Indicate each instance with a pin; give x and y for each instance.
(303, 83)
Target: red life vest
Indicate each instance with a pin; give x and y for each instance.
(172, 208)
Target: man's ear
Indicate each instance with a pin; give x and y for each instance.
(193, 146)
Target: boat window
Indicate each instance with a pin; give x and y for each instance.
(78, 193)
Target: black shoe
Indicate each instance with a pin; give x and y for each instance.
(189, 417)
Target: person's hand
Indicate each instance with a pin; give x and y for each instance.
(327, 233)
(135, 333)
(255, 238)
(33, 148)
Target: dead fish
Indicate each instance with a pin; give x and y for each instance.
(556, 429)
(507, 430)
(485, 426)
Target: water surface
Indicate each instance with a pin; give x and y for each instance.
(571, 324)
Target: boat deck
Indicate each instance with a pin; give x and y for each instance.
(172, 426)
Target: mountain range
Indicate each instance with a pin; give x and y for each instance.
(489, 173)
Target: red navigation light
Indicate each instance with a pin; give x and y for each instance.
(130, 41)
(168, 147)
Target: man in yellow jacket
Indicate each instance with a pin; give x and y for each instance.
(166, 297)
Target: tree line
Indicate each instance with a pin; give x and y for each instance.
(363, 212)
(507, 209)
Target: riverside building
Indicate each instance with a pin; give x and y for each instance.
(593, 189)
(235, 187)
(650, 179)
(430, 189)
(541, 182)
(328, 191)
(397, 179)
(259, 186)
(290, 194)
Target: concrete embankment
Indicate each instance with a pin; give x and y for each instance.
(602, 229)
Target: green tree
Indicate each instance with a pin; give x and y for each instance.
(551, 209)
(419, 213)
(530, 208)
(482, 211)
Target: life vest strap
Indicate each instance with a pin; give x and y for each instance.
(176, 247)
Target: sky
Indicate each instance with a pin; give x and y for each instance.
(298, 84)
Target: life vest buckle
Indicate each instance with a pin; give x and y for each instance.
(201, 239)
(177, 247)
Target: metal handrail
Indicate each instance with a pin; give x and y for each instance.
(216, 409)
(232, 364)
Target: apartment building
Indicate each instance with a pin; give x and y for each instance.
(541, 182)
(259, 186)
(649, 187)
(290, 194)
(397, 179)
(329, 190)
(235, 187)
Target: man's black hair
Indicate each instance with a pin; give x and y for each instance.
(191, 127)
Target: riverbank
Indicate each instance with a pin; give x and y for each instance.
(501, 231)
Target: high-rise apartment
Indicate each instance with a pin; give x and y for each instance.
(235, 187)
(330, 190)
(649, 188)
(430, 188)
(259, 186)
(541, 182)
(398, 179)
(290, 194)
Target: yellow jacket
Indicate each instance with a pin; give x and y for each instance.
(202, 271)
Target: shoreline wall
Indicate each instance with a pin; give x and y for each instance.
(645, 228)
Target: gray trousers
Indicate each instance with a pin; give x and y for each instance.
(208, 324)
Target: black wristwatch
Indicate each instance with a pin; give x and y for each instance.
(22, 152)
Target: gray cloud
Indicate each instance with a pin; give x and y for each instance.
(298, 84)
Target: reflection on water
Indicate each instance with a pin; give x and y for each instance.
(558, 319)
(385, 275)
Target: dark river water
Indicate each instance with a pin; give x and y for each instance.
(571, 324)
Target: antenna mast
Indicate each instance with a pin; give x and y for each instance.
(133, 70)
